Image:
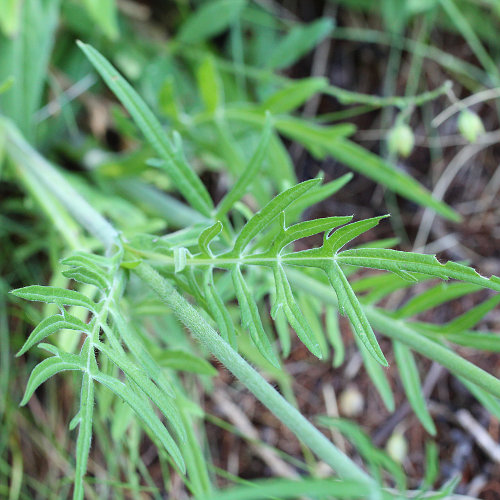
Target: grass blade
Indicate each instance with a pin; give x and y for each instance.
(412, 385)
(188, 183)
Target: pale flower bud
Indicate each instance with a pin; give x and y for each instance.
(470, 125)
(397, 447)
(401, 140)
(351, 402)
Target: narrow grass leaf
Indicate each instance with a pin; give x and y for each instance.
(472, 317)
(435, 296)
(50, 325)
(395, 261)
(349, 305)
(334, 335)
(210, 19)
(412, 385)
(249, 174)
(185, 361)
(317, 138)
(209, 84)
(491, 403)
(482, 341)
(53, 295)
(403, 331)
(294, 94)
(188, 183)
(377, 376)
(297, 42)
(376, 168)
(145, 413)
(375, 457)
(289, 489)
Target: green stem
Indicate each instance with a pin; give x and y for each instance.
(285, 412)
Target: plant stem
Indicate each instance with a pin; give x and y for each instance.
(291, 417)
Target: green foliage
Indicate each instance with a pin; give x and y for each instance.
(230, 274)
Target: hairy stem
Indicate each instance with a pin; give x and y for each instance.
(262, 390)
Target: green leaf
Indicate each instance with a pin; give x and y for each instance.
(185, 361)
(265, 216)
(53, 295)
(396, 261)
(480, 341)
(51, 325)
(144, 384)
(349, 305)
(295, 93)
(217, 309)
(377, 376)
(404, 332)
(141, 354)
(44, 370)
(435, 296)
(104, 14)
(376, 168)
(209, 20)
(375, 457)
(342, 236)
(207, 236)
(86, 275)
(315, 195)
(186, 181)
(286, 300)
(251, 170)
(250, 317)
(287, 488)
(299, 41)
(305, 229)
(209, 83)
(144, 411)
(472, 317)
(334, 335)
(316, 138)
(90, 260)
(413, 388)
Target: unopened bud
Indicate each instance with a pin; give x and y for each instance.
(470, 125)
(351, 402)
(401, 140)
(397, 447)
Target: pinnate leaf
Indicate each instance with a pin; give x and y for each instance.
(53, 295)
(50, 325)
(46, 369)
(396, 261)
(349, 305)
(265, 216)
(144, 411)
